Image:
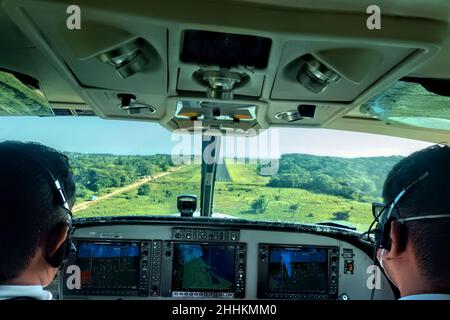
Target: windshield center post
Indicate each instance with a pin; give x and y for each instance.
(210, 157)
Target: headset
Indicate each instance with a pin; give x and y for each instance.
(383, 220)
(62, 254)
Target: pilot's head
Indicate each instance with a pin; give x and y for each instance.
(416, 257)
(33, 222)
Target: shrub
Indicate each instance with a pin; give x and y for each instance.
(294, 208)
(144, 190)
(260, 204)
(167, 193)
(341, 215)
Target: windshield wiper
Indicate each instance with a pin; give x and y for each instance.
(337, 224)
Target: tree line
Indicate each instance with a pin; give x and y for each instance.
(96, 173)
(358, 179)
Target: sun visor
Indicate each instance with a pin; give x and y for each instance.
(410, 104)
(20, 95)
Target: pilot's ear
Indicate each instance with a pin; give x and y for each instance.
(56, 238)
(398, 238)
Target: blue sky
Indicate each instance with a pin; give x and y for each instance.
(94, 135)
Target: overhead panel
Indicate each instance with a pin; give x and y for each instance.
(269, 66)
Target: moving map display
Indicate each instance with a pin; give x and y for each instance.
(201, 267)
(298, 270)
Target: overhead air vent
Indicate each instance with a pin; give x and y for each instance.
(128, 59)
(315, 75)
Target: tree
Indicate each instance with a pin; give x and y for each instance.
(92, 181)
(359, 179)
(123, 180)
(294, 208)
(144, 190)
(114, 181)
(81, 192)
(260, 204)
(341, 215)
(143, 168)
(165, 166)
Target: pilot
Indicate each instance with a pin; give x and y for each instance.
(37, 192)
(414, 228)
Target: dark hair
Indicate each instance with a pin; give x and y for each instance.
(29, 208)
(430, 238)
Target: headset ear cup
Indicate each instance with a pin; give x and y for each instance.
(62, 253)
(59, 256)
(386, 235)
(403, 236)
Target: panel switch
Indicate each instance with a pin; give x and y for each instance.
(349, 266)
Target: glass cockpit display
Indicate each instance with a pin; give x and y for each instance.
(294, 270)
(200, 267)
(109, 265)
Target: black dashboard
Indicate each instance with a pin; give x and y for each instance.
(195, 258)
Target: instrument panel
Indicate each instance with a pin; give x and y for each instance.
(204, 261)
(298, 272)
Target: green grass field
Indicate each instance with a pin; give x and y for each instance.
(234, 198)
(245, 174)
(162, 198)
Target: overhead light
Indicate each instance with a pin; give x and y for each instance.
(127, 59)
(220, 84)
(242, 116)
(316, 76)
(217, 112)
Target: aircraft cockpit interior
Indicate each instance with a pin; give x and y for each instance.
(226, 150)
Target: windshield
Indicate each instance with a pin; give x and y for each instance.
(310, 176)
(292, 175)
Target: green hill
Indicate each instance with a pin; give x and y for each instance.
(358, 179)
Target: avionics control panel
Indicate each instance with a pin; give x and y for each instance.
(204, 263)
(204, 234)
(111, 268)
(298, 272)
(198, 261)
(204, 270)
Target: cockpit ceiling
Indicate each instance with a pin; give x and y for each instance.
(302, 65)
